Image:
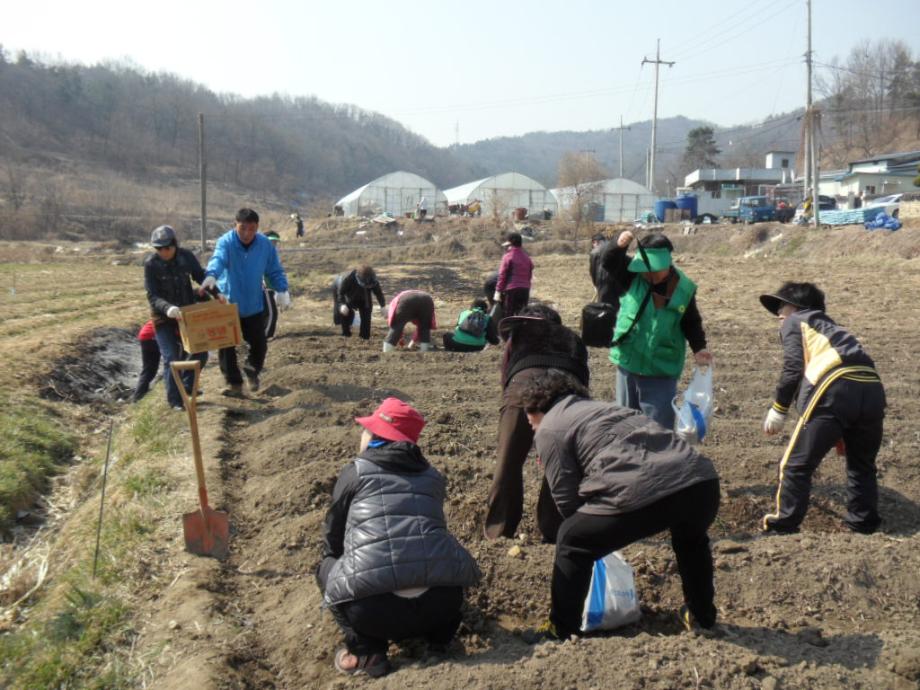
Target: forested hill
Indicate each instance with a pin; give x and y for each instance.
(145, 124)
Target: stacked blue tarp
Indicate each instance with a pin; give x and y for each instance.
(859, 216)
(883, 222)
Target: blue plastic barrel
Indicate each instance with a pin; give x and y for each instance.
(661, 206)
(688, 202)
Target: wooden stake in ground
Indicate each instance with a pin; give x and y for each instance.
(105, 474)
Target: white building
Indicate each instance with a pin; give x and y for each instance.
(612, 201)
(396, 193)
(503, 193)
(887, 173)
(717, 189)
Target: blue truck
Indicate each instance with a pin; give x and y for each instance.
(751, 209)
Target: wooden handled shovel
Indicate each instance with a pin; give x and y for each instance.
(207, 532)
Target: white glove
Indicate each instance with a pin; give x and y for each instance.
(383, 310)
(283, 299)
(174, 313)
(497, 297)
(209, 283)
(343, 309)
(774, 422)
(625, 238)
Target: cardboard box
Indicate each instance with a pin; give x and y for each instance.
(208, 326)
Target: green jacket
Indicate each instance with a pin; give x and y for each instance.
(461, 336)
(657, 345)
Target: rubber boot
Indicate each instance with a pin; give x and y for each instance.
(425, 347)
(387, 347)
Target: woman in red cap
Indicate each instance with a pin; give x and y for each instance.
(390, 568)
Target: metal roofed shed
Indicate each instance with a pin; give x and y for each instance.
(615, 200)
(503, 193)
(396, 193)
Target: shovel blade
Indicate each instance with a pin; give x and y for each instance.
(207, 533)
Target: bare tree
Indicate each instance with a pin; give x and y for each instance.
(15, 187)
(581, 176)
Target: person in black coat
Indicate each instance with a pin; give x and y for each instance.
(168, 273)
(351, 292)
(536, 340)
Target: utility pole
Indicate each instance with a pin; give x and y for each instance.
(811, 142)
(657, 62)
(203, 182)
(621, 144)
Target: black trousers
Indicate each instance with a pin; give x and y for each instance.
(585, 538)
(271, 313)
(369, 624)
(850, 411)
(454, 346)
(505, 503)
(150, 363)
(513, 301)
(365, 328)
(253, 331)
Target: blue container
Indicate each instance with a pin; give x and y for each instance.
(688, 202)
(661, 206)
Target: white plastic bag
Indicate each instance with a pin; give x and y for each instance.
(692, 417)
(612, 600)
(356, 319)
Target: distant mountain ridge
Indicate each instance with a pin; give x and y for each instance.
(145, 125)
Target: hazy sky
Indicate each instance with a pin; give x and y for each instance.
(496, 67)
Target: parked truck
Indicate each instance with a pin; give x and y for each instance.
(750, 209)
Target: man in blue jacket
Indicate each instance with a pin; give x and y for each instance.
(241, 258)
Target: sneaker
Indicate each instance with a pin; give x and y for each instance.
(178, 408)
(252, 376)
(545, 633)
(233, 390)
(773, 528)
(374, 665)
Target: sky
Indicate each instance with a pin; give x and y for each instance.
(464, 71)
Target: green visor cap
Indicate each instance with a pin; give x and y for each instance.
(658, 260)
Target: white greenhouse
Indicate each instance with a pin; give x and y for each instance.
(503, 193)
(610, 201)
(396, 193)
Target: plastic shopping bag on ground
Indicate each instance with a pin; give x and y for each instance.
(612, 600)
(692, 416)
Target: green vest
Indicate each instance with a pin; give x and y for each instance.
(461, 336)
(656, 346)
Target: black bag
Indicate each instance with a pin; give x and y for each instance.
(597, 322)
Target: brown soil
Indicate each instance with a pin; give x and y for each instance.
(823, 609)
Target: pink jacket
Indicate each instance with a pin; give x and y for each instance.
(515, 270)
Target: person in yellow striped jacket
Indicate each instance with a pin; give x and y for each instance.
(841, 402)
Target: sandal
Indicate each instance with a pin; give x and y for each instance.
(374, 665)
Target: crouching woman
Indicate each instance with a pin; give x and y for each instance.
(390, 569)
(617, 477)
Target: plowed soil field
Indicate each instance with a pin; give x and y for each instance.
(821, 609)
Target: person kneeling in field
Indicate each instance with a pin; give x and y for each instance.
(840, 400)
(474, 328)
(390, 568)
(616, 477)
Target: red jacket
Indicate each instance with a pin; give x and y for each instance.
(147, 332)
(515, 270)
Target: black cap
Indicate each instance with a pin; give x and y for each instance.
(799, 295)
(514, 239)
(163, 236)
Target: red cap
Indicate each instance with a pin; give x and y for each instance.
(394, 420)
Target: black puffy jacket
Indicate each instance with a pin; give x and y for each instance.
(168, 283)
